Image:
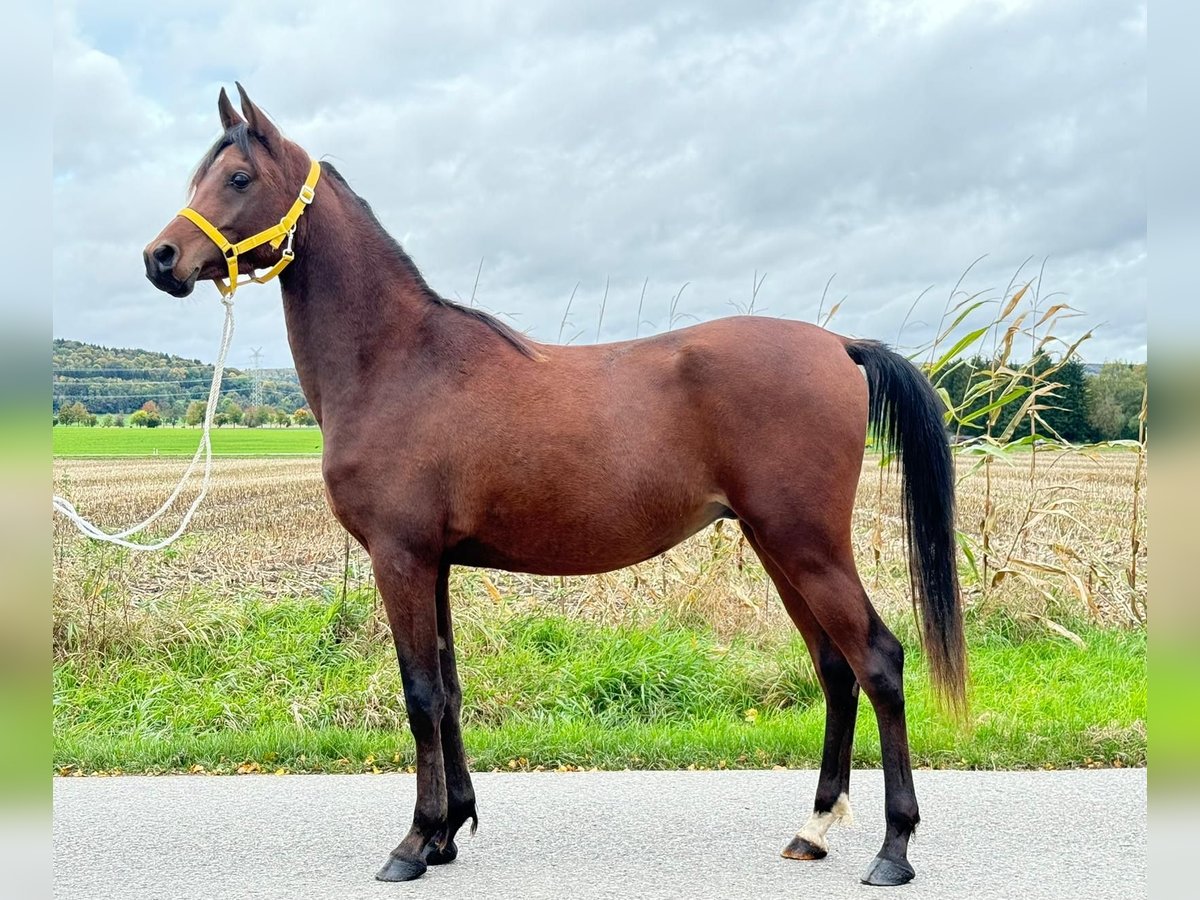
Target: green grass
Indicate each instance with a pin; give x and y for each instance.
(311, 685)
(76, 441)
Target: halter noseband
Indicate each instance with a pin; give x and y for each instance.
(275, 235)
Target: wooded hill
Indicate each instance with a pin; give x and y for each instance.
(121, 380)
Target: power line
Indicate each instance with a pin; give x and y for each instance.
(85, 394)
(152, 395)
(117, 373)
(129, 382)
(72, 372)
(83, 387)
(85, 391)
(143, 397)
(120, 369)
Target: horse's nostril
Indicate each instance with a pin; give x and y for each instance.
(165, 255)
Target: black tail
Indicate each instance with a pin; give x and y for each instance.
(906, 413)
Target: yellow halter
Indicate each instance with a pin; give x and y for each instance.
(276, 235)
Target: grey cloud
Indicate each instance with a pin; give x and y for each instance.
(696, 143)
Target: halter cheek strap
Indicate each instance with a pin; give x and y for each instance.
(275, 235)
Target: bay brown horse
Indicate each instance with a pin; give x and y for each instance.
(450, 439)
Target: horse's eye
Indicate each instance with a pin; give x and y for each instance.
(240, 180)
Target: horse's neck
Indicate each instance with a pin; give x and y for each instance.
(347, 299)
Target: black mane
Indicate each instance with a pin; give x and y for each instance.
(510, 334)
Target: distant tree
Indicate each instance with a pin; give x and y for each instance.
(72, 414)
(172, 411)
(118, 420)
(257, 416)
(230, 410)
(1039, 365)
(303, 416)
(1066, 413)
(1063, 414)
(282, 418)
(1115, 401)
(106, 421)
(1069, 415)
(151, 407)
(195, 412)
(145, 419)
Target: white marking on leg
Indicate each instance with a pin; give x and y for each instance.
(818, 823)
(841, 811)
(442, 646)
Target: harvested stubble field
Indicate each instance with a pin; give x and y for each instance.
(257, 641)
(265, 530)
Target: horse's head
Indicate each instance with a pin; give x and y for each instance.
(250, 178)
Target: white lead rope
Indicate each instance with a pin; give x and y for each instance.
(65, 507)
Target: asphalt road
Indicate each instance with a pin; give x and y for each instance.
(692, 835)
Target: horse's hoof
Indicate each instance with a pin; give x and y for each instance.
(398, 869)
(799, 848)
(447, 854)
(888, 872)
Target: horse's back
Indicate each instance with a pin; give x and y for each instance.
(770, 382)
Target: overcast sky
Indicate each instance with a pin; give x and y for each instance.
(885, 145)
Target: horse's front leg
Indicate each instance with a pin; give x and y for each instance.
(460, 795)
(408, 585)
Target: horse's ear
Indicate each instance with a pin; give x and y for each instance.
(229, 116)
(258, 123)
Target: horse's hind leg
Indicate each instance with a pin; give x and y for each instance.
(820, 565)
(832, 803)
(460, 794)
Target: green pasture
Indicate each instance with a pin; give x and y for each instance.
(79, 441)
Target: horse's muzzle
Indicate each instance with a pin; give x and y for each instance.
(160, 270)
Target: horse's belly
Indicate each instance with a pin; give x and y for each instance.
(580, 546)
